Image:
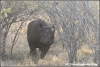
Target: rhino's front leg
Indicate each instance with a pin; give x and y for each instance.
(32, 49)
(44, 51)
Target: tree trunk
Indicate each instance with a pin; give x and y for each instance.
(0, 40)
(4, 36)
(99, 50)
(99, 57)
(3, 43)
(71, 53)
(1, 35)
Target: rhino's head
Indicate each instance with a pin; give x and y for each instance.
(46, 34)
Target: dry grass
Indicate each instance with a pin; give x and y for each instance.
(85, 54)
(84, 50)
(21, 57)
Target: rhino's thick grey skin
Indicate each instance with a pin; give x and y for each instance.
(40, 35)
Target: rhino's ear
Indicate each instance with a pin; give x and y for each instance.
(53, 28)
(40, 25)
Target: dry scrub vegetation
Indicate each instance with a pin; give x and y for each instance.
(76, 35)
(56, 56)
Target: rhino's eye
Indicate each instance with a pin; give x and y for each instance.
(43, 35)
(52, 37)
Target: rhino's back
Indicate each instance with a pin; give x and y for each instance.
(33, 30)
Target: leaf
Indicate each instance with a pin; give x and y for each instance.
(5, 14)
(80, 39)
(9, 10)
(2, 11)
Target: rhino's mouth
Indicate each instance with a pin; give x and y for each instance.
(46, 43)
(47, 26)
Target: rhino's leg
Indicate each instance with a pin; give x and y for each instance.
(44, 51)
(32, 49)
